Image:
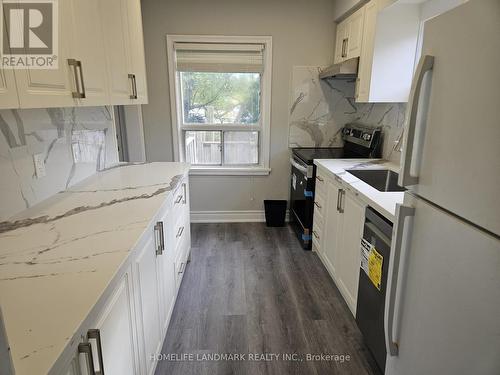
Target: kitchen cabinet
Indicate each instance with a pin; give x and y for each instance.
(342, 228)
(353, 218)
(8, 89)
(148, 299)
(43, 88)
(132, 323)
(122, 25)
(349, 37)
(88, 48)
(392, 32)
(117, 41)
(100, 60)
(136, 48)
(112, 338)
(333, 227)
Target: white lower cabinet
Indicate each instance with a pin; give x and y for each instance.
(148, 303)
(127, 333)
(342, 230)
(117, 330)
(353, 218)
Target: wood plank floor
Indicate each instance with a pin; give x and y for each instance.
(252, 289)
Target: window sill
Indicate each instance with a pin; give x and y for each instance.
(217, 171)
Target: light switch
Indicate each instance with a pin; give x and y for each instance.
(39, 165)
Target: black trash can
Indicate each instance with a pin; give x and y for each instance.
(275, 212)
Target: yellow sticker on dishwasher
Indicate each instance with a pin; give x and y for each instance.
(375, 261)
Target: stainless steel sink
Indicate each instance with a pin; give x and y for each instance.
(380, 179)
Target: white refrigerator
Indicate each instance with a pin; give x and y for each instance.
(442, 312)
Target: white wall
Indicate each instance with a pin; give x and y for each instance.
(303, 34)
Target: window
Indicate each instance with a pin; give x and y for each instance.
(220, 102)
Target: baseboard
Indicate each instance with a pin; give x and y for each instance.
(250, 216)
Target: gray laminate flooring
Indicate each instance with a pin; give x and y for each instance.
(251, 290)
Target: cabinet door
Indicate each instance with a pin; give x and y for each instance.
(8, 89)
(349, 254)
(332, 228)
(43, 88)
(137, 59)
(147, 302)
(340, 42)
(116, 40)
(355, 34)
(117, 332)
(88, 47)
(366, 60)
(166, 273)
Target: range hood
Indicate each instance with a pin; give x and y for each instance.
(345, 70)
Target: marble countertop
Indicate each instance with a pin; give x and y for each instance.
(382, 202)
(58, 257)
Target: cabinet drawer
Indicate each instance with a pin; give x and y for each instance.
(181, 260)
(317, 233)
(321, 182)
(319, 206)
(181, 230)
(180, 203)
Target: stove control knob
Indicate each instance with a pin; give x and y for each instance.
(367, 136)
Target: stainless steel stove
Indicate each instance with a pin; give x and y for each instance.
(359, 142)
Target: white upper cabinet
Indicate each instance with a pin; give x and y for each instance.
(349, 39)
(137, 60)
(117, 40)
(42, 88)
(8, 90)
(122, 23)
(100, 59)
(390, 47)
(355, 34)
(88, 48)
(340, 41)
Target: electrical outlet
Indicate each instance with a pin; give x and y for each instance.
(39, 165)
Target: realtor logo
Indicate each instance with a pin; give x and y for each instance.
(29, 34)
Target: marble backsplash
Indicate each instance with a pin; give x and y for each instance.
(319, 109)
(73, 142)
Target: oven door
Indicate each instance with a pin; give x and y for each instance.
(301, 200)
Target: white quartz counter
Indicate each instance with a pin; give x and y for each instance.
(382, 202)
(57, 258)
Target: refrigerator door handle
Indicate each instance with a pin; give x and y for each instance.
(395, 274)
(425, 64)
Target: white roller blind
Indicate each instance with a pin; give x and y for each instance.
(216, 57)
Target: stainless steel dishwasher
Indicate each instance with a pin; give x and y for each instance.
(375, 252)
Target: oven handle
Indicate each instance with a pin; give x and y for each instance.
(298, 166)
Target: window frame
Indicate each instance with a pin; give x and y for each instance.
(177, 115)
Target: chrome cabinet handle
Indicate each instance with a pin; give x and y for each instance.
(183, 268)
(134, 86)
(159, 238)
(86, 349)
(425, 64)
(319, 179)
(315, 234)
(79, 82)
(179, 232)
(340, 194)
(179, 199)
(395, 273)
(95, 334)
(317, 205)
